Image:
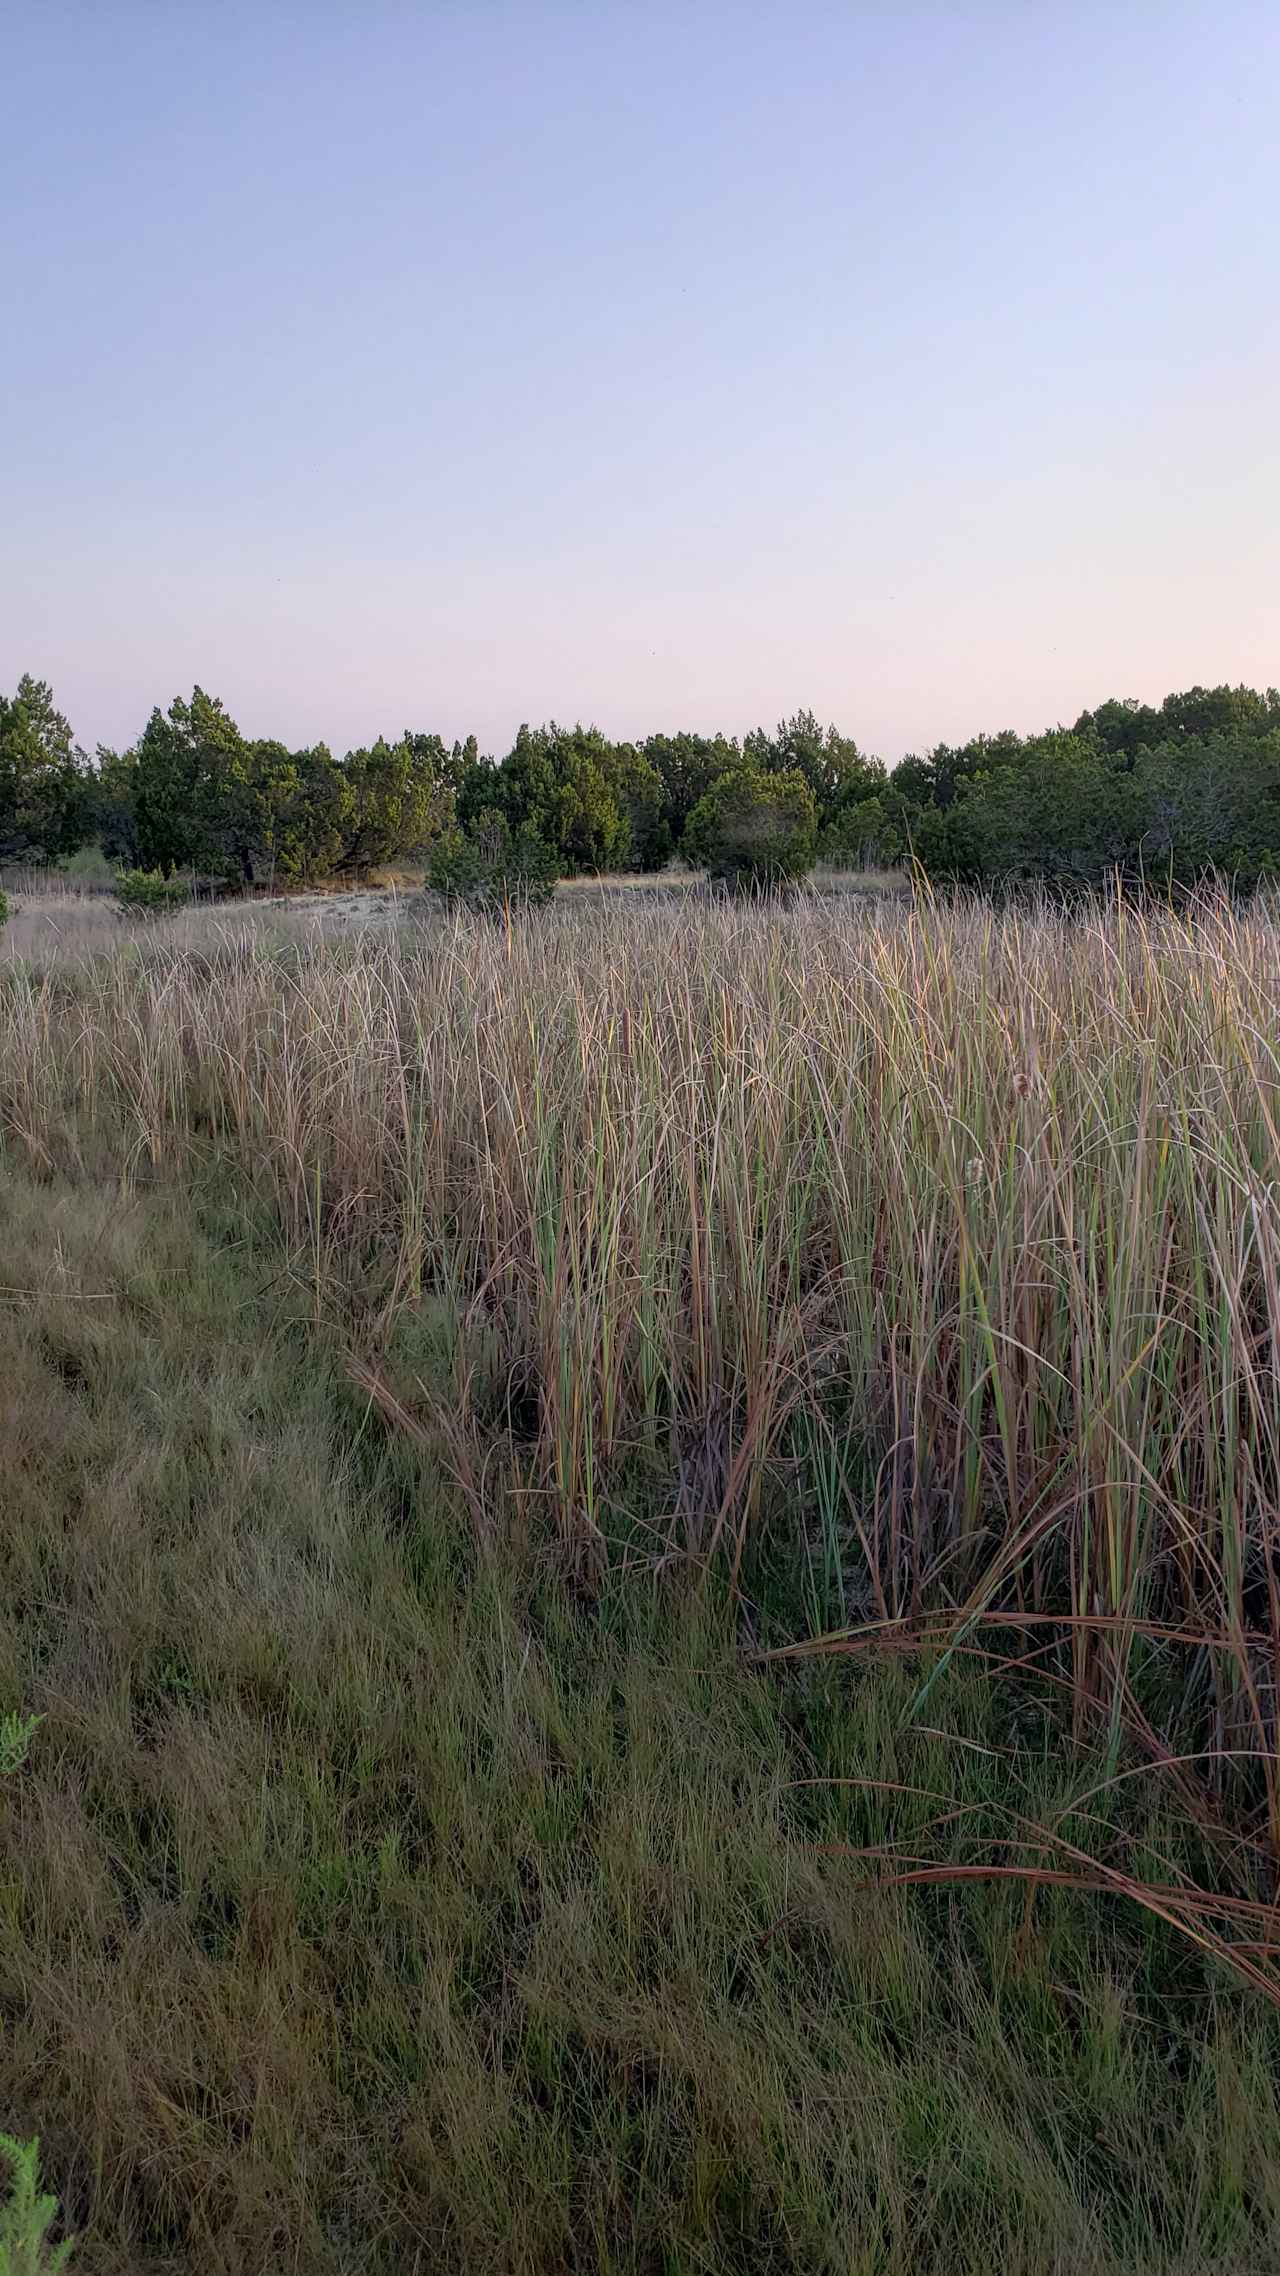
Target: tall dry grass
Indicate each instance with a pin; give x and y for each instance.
(946, 1236)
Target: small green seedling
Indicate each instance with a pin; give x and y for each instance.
(16, 1733)
(26, 2217)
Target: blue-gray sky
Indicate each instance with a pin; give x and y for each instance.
(658, 364)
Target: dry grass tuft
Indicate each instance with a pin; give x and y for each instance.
(955, 1229)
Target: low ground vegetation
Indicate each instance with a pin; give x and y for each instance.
(639, 1589)
(377, 1904)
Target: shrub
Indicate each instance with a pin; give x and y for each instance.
(149, 893)
(488, 869)
(4, 908)
(754, 831)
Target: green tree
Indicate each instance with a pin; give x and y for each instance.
(561, 783)
(1198, 713)
(192, 792)
(114, 800)
(1180, 791)
(831, 763)
(271, 812)
(1212, 805)
(316, 823)
(686, 766)
(1126, 727)
(296, 813)
(754, 829)
(647, 841)
(400, 799)
(938, 779)
(473, 783)
(1059, 809)
(1121, 727)
(864, 834)
(45, 785)
(489, 869)
(913, 785)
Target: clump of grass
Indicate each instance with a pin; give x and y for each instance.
(373, 1901)
(980, 1204)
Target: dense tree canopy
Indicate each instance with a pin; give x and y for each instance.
(1170, 792)
(194, 794)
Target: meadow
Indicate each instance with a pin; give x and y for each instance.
(644, 1541)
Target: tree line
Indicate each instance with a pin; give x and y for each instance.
(1176, 790)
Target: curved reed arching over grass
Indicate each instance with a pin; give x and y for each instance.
(945, 1237)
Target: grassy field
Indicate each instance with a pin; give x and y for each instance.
(645, 1551)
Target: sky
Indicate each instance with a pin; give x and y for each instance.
(665, 366)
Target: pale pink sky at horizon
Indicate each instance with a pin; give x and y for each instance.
(667, 367)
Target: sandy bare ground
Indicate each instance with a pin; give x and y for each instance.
(52, 919)
(52, 923)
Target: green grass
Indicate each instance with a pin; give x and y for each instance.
(370, 1904)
